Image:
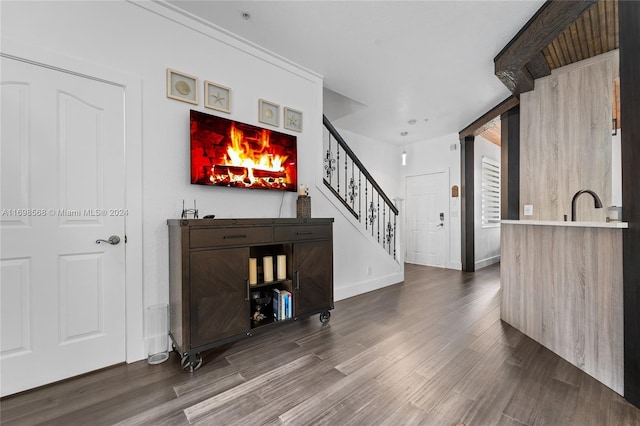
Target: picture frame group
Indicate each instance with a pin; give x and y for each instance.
(269, 113)
(184, 87)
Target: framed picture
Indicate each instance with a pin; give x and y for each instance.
(269, 113)
(292, 119)
(182, 87)
(217, 97)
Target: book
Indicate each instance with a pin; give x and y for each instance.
(282, 304)
(289, 305)
(286, 304)
(276, 303)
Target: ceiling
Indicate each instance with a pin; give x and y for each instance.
(593, 33)
(386, 62)
(493, 133)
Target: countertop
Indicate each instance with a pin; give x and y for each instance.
(619, 225)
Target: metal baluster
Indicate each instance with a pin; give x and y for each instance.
(390, 236)
(366, 201)
(346, 173)
(352, 187)
(338, 168)
(359, 195)
(395, 218)
(378, 219)
(372, 214)
(384, 221)
(329, 161)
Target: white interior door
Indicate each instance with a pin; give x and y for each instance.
(427, 221)
(62, 157)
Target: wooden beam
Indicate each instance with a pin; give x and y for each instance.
(629, 21)
(548, 22)
(538, 66)
(467, 204)
(517, 80)
(482, 123)
(510, 165)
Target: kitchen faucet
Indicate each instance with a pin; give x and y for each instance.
(596, 202)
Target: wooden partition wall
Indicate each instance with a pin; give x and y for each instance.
(562, 286)
(630, 111)
(565, 141)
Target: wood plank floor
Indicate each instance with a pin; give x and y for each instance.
(430, 351)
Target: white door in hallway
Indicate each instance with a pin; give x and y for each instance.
(427, 222)
(63, 188)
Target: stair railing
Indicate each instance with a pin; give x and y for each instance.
(348, 179)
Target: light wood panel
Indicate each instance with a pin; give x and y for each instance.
(562, 286)
(566, 140)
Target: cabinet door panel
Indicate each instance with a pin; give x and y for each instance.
(313, 264)
(219, 305)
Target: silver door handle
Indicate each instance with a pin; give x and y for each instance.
(113, 240)
(440, 224)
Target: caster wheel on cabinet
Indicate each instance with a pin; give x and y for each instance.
(191, 365)
(325, 317)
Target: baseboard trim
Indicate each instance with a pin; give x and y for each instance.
(486, 262)
(344, 292)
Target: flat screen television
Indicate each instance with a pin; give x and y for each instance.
(229, 153)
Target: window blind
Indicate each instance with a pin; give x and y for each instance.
(490, 193)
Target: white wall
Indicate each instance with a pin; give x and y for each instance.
(382, 159)
(487, 240)
(132, 40)
(432, 156)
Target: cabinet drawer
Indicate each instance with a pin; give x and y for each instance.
(298, 233)
(216, 237)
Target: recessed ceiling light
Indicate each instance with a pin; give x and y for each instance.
(246, 16)
(412, 121)
(426, 119)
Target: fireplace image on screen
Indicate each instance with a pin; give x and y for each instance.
(229, 153)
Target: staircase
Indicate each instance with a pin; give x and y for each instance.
(351, 183)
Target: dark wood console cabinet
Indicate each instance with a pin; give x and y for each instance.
(213, 303)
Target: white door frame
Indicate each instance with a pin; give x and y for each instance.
(132, 86)
(447, 243)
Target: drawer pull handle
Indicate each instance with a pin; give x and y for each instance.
(304, 233)
(234, 236)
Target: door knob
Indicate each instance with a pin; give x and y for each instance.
(113, 240)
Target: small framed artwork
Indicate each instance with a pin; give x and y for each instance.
(292, 119)
(217, 97)
(182, 87)
(268, 113)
